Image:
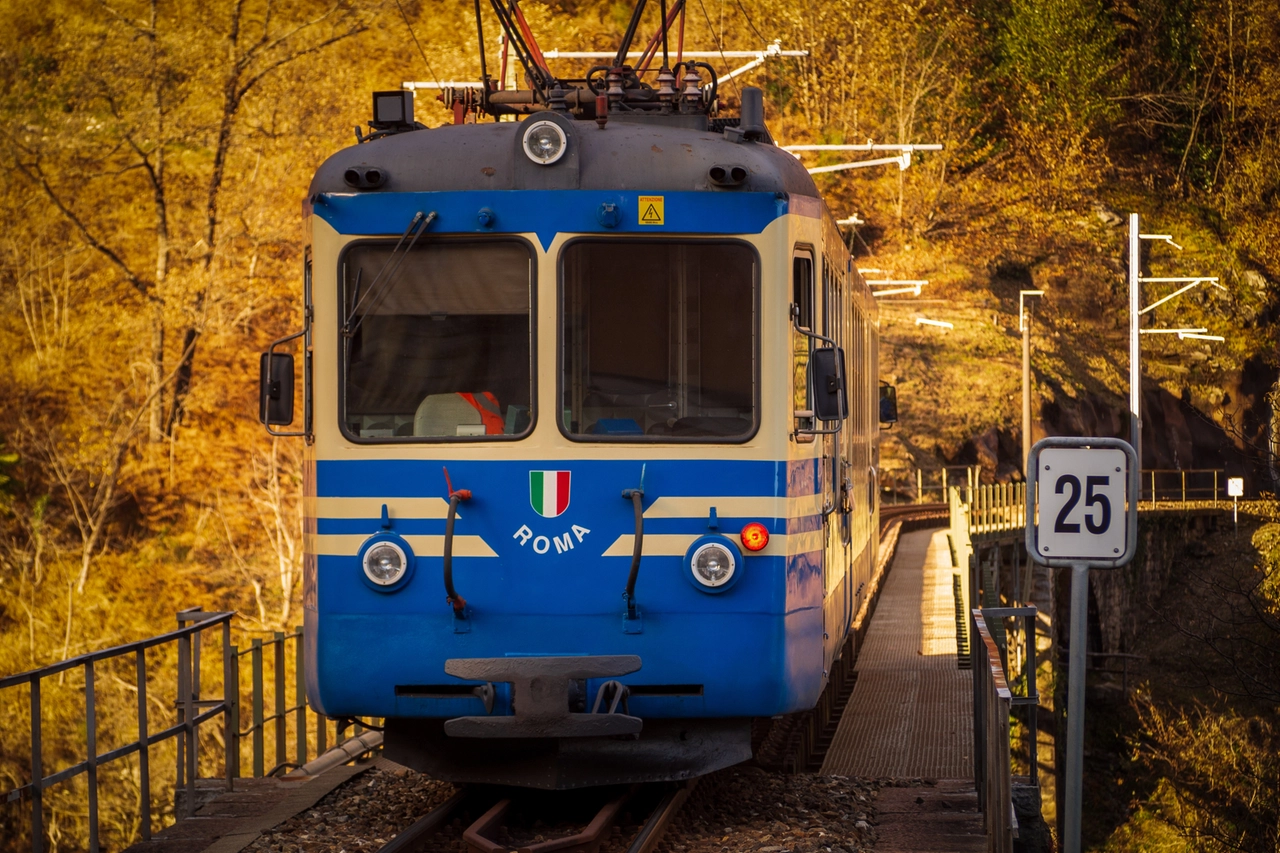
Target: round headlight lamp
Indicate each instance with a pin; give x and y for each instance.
(387, 562)
(713, 563)
(545, 142)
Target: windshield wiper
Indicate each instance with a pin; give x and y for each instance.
(378, 288)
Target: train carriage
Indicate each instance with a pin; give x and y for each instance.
(590, 411)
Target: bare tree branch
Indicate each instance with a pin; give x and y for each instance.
(34, 174)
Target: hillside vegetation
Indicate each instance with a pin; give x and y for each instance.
(156, 154)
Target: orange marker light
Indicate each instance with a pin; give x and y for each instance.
(755, 536)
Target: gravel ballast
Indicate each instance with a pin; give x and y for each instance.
(739, 810)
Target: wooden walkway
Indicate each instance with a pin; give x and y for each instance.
(228, 822)
(910, 718)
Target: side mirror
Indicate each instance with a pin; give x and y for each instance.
(826, 377)
(275, 389)
(888, 403)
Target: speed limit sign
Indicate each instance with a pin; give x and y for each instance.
(1081, 498)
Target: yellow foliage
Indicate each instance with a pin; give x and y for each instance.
(1267, 541)
(1221, 789)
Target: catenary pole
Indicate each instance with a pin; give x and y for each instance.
(1075, 706)
(1024, 326)
(1026, 391)
(1135, 366)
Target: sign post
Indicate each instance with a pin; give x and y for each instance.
(1086, 490)
(1235, 488)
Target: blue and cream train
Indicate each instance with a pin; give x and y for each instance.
(591, 412)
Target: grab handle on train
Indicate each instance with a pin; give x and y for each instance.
(637, 502)
(457, 602)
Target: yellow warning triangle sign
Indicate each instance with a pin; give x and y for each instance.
(652, 209)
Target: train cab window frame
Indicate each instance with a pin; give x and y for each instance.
(309, 313)
(499, 407)
(691, 418)
(803, 296)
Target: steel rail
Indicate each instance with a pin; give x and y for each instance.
(410, 838)
(656, 826)
(475, 837)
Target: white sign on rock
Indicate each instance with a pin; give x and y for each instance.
(1082, 503)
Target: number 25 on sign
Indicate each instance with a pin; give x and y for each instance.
(1087, 514)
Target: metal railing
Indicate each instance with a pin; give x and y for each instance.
(995, 515)
(923, 486)
(269, 663)
(280, 713)
(993, 704)
(985, 520)
(996, 510)
(1180, 485)
(1158, 485)
(191, 713)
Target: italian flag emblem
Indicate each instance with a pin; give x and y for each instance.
(549, 492)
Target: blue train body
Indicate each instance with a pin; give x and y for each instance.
(547, 589)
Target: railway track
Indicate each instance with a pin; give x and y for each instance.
(910, 513)
(517, 821)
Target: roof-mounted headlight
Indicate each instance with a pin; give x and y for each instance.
(545, 142)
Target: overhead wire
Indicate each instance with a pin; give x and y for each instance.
(719, 46)
(421, 52)
(854, 231)
(750, 23)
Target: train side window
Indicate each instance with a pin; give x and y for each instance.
(802, 345)
(438, 343)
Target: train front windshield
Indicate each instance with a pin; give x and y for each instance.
(437, 340)
(658, 340)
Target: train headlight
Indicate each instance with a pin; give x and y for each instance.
(387, 562)
(384, 563)
(545, 142)
(713, 563)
